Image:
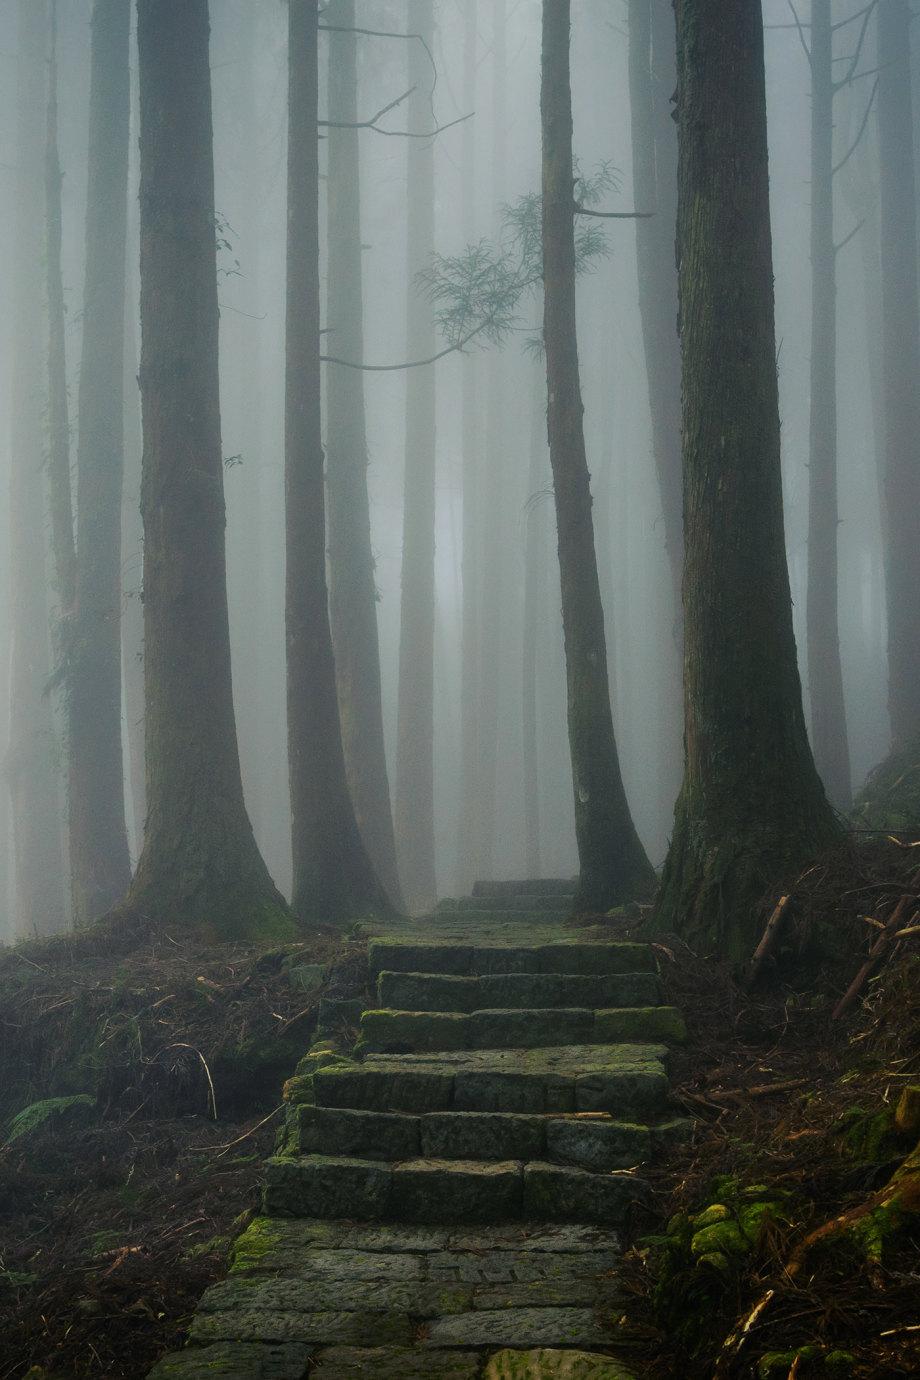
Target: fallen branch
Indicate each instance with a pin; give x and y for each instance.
(878, 951)
(768, 942)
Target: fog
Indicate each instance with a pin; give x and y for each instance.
(486, 156)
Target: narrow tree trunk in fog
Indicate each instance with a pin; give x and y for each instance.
(752, 808)
(901, 366)
(415, 722)
(652, 75)
(333, 876)
(132, 542)
(613, 865)
(471, 537)
(493, 513)
(200, 865)
(825, 675)
(534, 569)
(352, 586)
(30, 764)
(62, 539)
(99, 860)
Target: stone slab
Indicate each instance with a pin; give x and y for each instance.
(351, 1329)
(521, 1327)
(554, 1192)
(463, 959)
(394, 1363)
(423, 991)
(620, 1024)
(599, 1145)
(305, 1293)
(235, 1361)
(528, 886)
(326, 1186)
(482, 1136)
(455, 1191)
(345, 1131)
(552, 1364)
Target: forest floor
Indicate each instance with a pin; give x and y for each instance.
(115, 1216)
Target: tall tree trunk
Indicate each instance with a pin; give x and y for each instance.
(652, 75)
(493, 517)
(471, 536)
(901, 366)
(752, 807)
(63, 549)
(825, 675)
(200, 865)
(352, 585)
(333, 875)
(415, 711)
(99, 860)
(613, 865)
(132, 540)
(534, 570)
(31, 761)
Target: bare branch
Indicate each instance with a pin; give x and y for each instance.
(456, 348)
(861, 131)
(860, 43)
(612, 215)
(851, 18)
(801, 32)
(846, 240)
(373, 124)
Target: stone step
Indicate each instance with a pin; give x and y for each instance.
(394, 1031)
(442, 1191)
(464, 960)
(516, 910)
(596, 1142)
(534, 904)
(533, 886)
(422, 991)
(627, 1080)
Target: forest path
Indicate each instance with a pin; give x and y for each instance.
(446, 1196)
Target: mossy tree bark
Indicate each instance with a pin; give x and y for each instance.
(333, 875)
(752, 808)
(414, 810)
(352, 584)
(901, 366)
(825, 674)
(200, 865)
(100, 864)
(31, 768)
(613, 864)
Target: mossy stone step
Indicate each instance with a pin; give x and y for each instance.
(626, 1080)
(400, 955)
(388, 1031)
(434, 1190)
(526, 902)
(422, 991)
(528, 886)
(598, 1143)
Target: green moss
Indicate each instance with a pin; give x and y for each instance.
(890, 799)
(50, 1114)
(723, 1238)
(251, 1248)
(868, 1137)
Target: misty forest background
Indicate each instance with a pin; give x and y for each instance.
(430, 176)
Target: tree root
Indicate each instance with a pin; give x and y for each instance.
(869, 1225)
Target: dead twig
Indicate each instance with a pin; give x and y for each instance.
(876, 954)
(768, 942)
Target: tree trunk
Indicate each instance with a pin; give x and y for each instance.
(613, 865)
(132, 540)
(352, 585)
(62, 539)
(31, 761)
(415, 719)
(654, 162)
(493, 518)
(471, 536)
(99, 860)
(752, 808)
(901, 367)
(825, 675)
(200, 865)
(534, 570)
(333, 876)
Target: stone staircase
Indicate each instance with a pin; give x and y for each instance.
(446, 1193)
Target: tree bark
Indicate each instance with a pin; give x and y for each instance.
(99, 859)
(613, 864)
(752, 807)
(200, 865)
(825, 674)
(352, 585)
(414, 816)
(534, 602)
(471, 535)
(31, 763)
(132, 542)
(333, 875)
(901, 366)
